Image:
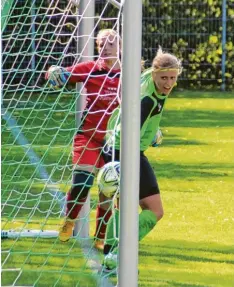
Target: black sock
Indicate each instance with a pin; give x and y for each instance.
(107, 249)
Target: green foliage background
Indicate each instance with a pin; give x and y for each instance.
(193, 31)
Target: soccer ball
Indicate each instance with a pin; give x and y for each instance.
(108, 178)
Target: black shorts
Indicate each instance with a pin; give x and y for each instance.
(148, 182)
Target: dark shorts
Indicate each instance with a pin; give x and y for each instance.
(148, 182)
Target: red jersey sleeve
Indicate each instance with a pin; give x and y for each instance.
(80, 72)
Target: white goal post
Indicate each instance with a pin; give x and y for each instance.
(38, 125)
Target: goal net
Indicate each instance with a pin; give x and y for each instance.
(38, 127)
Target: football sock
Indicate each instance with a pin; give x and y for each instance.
(112, 232)
(102, 217)
(73, 207)
(147, 221)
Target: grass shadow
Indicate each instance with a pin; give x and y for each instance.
(197, 119)
(202, 95)
(191, 171)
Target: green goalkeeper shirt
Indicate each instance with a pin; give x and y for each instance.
(152, 105)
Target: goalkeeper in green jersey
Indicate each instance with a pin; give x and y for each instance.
(156, 85)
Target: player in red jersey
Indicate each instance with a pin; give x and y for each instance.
(101, 81)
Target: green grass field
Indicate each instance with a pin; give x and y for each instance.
(192, 246)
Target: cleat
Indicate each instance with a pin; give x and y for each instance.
(110, 263)
(66, 230)
(109, 271)
(99, 244)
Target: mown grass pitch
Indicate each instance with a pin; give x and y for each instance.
(191, 246)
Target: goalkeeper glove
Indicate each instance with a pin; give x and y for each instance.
(57, 76)
(157, 140)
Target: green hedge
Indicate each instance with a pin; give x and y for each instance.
(192, 30)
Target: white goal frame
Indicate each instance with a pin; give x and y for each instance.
(130, 146)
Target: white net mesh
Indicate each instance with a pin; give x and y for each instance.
(38, 127)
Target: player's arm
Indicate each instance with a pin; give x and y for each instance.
(59, 76)
(147, 105)
(80, 72)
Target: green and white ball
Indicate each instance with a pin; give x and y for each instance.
(108, 178)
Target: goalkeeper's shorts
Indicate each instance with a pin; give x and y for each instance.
(148, 181)
(87, 152)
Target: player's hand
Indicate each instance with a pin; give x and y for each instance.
(57, 76)
(157, 140)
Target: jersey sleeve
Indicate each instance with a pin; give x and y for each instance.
(113, 129)
(80, 72)
(147, 105)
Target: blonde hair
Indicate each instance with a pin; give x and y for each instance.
(107, 32)
(164, 61)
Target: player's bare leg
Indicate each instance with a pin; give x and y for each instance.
(154, 204)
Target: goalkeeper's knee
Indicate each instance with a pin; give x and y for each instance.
(81, 184)
(57, 76)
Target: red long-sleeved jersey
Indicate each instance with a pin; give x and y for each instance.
(101, 86)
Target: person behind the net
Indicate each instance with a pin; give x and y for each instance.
(101, 80)
(156, 85)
